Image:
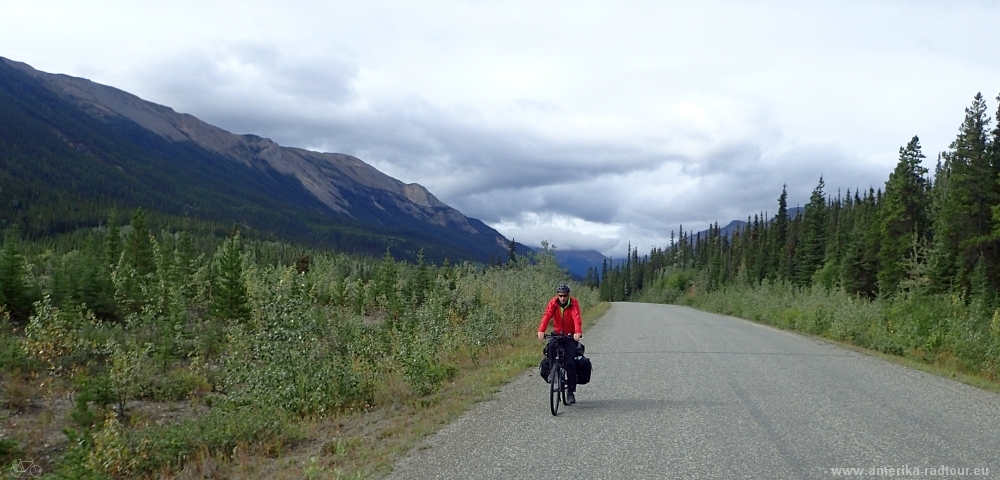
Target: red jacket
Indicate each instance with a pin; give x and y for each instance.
(566, 319)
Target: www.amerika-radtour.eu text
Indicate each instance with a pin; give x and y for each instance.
(908, 471)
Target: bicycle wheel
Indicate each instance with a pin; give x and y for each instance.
(555, 388)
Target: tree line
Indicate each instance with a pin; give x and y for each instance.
(921, 233)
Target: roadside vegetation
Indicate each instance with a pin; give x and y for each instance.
(125, 353)
(911, 270)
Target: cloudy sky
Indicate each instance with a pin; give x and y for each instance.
(587, 124)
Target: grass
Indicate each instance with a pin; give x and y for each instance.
(366, 444)
(871, 328)
(937, 367)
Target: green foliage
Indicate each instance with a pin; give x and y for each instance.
(138, 247)
(812, 243)
(220, 431)
(902, 216)
(239, 326)
(10, 450)
(229, 290)
(967, 189)
(17, 294)
(62, 338)
(82, 277)
(92, 394)
(13, 355)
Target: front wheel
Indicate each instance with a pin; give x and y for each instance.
(555, 388)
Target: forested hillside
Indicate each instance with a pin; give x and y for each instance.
(910, 268)
(64, 167)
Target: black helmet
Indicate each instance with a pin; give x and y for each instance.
(563, 289)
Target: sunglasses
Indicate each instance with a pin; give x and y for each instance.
(562, 295)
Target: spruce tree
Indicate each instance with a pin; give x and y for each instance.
(963, 228)
(994, 150)
(904, 212)
(859, 268)
(113, 241)
(229, 290)
(16, 293)
(138, 246)
(812, 245)
(779, 241)
(185, 265)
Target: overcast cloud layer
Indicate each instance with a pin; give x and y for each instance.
(587, 124)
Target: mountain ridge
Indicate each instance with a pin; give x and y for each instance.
(321, 190)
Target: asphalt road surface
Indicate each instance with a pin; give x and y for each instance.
(678, 393)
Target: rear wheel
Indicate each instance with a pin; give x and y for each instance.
(555, 388)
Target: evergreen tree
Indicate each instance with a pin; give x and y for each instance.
(113, 241)
(812, 246)
(420, 281)
(185, 265)
(17, 294)
(82, 277)
(229, 290)
(963, 228)
(902, 214)
(994, 150)
(138, 246)
(779, 246)
(859, 268)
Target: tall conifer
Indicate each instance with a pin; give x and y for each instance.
(229, 290)
(903, 213)
(812, 246)
(963, 229)
(779, 247)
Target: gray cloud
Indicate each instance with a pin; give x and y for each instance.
(499, 174)
(587, 124)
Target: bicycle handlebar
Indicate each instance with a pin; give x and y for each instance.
(559, 335)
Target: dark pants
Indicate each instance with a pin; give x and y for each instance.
(570, 347)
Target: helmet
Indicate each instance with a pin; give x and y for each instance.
(563, 289)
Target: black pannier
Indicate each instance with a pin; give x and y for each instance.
(544, 368)
(583, 370)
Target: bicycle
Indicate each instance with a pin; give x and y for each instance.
(558, 378)
(22, 467)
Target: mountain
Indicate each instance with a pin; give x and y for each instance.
(576, 262)
(72, 149)
(735, 225)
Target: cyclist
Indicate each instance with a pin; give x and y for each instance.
(564, 311)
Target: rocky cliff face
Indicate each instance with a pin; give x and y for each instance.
(343, 183)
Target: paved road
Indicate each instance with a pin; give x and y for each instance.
(678, 393)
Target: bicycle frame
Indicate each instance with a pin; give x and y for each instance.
(557, 376)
